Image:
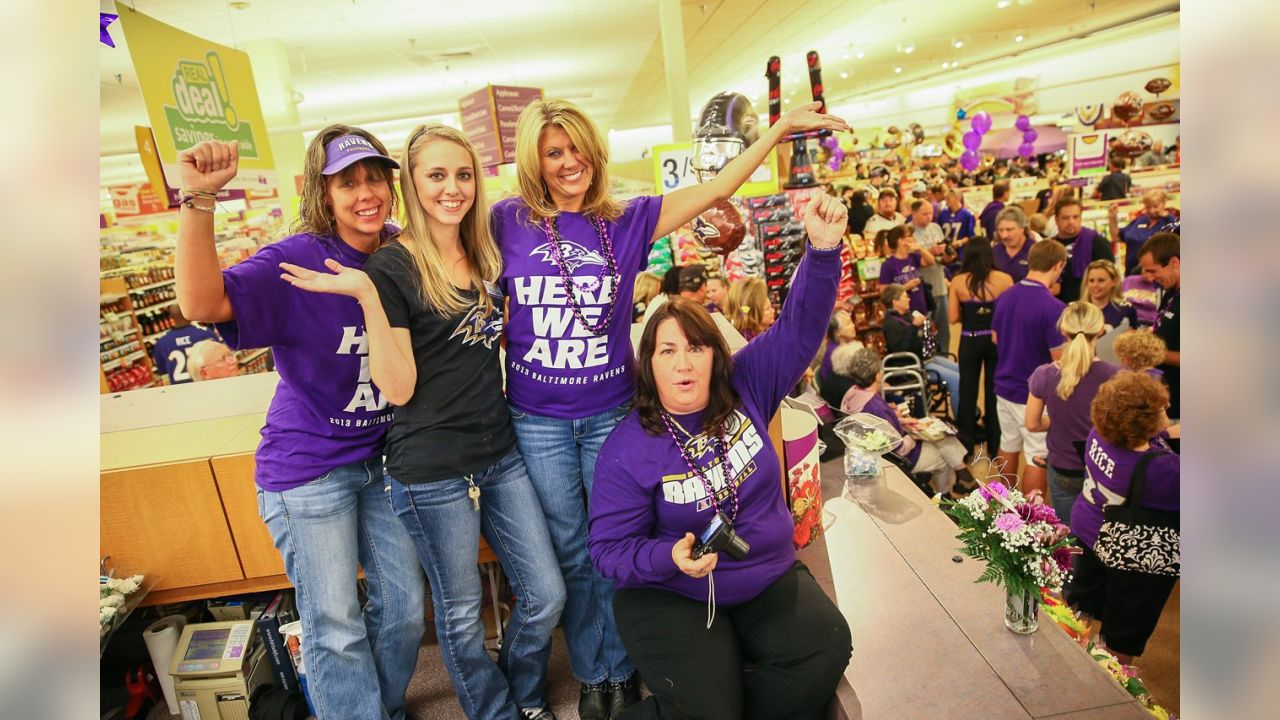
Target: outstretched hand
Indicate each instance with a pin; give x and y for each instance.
(210, 165)
(342, 281)
(807, 117)
(825, 220)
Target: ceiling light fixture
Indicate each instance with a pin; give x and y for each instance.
(1018, 38)
(957, 44)
(945, 66)
(859, 54)
(1003, 4)
(898, 69)
(844, 76)
(909, 49)
(844, 56)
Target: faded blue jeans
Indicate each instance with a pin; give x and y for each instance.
(358, 662)
(446, 528)
(561, 457)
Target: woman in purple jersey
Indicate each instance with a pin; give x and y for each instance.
(570, 253)
(455, 474)
(1129, 422)
(695, 452)
(321, 489)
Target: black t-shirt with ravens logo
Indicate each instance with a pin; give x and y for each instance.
(457, 421)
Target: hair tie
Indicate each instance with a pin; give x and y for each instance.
(744, 309)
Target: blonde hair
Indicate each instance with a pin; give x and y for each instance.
(1081, 322)
(1139, 350)
(434, 282)
(314, 214)
(1111, 269)
(1037, 222)
(746, 301)
(586, 138)
(647, 287)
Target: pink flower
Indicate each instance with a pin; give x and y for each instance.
(997, 488)
(1008, 522)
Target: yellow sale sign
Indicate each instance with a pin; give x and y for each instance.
(197, 90)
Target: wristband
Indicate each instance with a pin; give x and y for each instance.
(833, 249)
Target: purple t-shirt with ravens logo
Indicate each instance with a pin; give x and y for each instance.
(326, 412)
(457, 421)
(555, 366)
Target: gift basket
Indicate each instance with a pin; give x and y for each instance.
(866, 437)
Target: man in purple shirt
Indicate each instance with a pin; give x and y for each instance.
(1025, 325)
(1011, 253)
(1083, 245)
(999, 193)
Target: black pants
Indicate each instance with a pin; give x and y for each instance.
(779, 655)
(1128, 603)
(978, 358)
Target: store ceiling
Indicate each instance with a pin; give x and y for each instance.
(361, 60)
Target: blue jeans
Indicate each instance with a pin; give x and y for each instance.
(357, 666)
(1063, 491)
(446, 528)
(948, 370)
(561, 457)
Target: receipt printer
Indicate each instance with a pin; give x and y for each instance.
(215, 668)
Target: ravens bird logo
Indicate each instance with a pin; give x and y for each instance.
(575, 255)
(479, 327)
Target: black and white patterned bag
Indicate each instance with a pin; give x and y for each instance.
(1137, 538)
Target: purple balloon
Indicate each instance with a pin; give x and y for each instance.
(970, 159)
(972, 140)
(1023, 123)
(1029, 136)
(1026, 149)
(981, 122)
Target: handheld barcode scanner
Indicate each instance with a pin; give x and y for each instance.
(801, 175)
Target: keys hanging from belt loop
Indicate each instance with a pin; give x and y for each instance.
(473, 492)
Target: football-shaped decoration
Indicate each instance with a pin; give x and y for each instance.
(1157, 85)
(720, 228)
(1127, 107)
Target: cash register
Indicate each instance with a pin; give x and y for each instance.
(215, 669)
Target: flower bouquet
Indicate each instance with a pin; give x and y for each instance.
(1022, 542)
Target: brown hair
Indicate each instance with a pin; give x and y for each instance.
(1000, 190)
(895, 235)
(1045, 254)
(1139, 350)
(746, 300)
(314, 214)
(700, 330)
(1163, 247)
(891, 292)
(535, 118)
(1065, 203)
(1126, 411)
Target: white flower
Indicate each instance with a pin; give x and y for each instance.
(105, 615)
(113, 601)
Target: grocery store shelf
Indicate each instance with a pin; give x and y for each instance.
(166, 303)
(253, 356)
(126, 360)
(162, 283)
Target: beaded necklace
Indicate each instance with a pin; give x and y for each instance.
(611, 269)
(722, 452)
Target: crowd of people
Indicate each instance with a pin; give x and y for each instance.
(1033, 297)
(606, 480)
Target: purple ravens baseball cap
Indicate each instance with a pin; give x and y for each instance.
(340, 152)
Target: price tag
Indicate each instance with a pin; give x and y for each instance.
(673, 167)
(673, 170)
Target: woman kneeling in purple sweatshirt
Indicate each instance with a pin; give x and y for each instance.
(695, 452)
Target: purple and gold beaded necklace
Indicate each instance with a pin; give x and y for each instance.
(722, 452)
(610, 269)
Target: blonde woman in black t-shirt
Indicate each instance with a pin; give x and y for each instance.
(433, 316)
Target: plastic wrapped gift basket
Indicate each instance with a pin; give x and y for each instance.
(866, 437)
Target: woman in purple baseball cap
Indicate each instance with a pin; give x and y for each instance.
(321, 488)
(569, 356)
